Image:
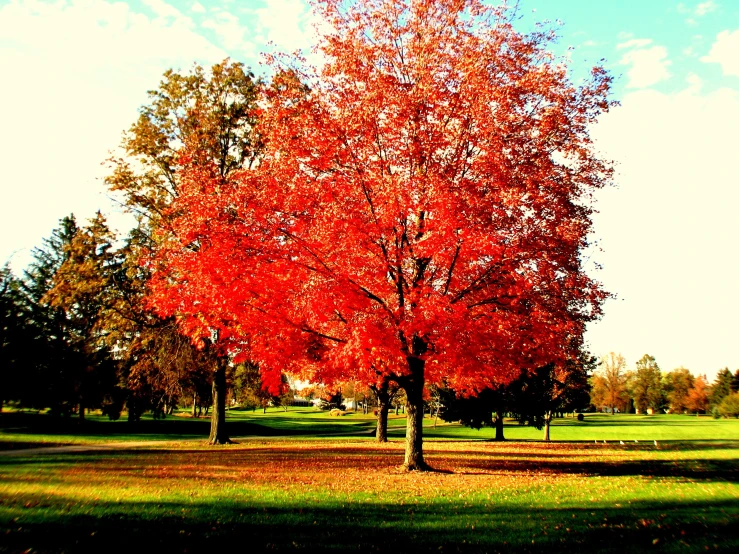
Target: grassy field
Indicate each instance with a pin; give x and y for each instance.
(291, 484)
(19, 430)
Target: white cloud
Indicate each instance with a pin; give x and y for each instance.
(669, 229)
(694, 82)
(234, 35)
(287, 24)
(74, 73)
(725, 52)
(197, 7)
(705, 7)
(648, 65)
(700, 10)
(164, 10)
(634, 43)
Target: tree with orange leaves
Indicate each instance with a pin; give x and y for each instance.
(417, 214)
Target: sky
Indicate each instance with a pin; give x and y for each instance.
(665, 236)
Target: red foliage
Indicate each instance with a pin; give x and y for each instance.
(426, 197)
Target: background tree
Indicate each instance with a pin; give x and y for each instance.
(247, 386)
(214, 113)
(729, 406)
(645, 385)
(474, 411)
(553, 389)
(385, 392)
(52, 360)
(677, 384)
(420, 208)
(81, 289)
(532, 399)
(16, 337)
(608, 384)
(735, 382)
(250, 391)
(697, 400)
(721, 387)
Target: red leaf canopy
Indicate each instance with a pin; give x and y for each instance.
(424, 195)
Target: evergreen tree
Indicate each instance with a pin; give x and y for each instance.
(52, 357)
(15, 337)
(81, 291)
(735, 382)
(721, 387)
(533, 398)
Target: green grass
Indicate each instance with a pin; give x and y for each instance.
(23, 430)
(600, 427)
(292, 483)
(296, 494)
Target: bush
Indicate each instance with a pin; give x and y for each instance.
(580, 417)
(729, 406)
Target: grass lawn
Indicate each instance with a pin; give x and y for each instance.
(326, 493)
(24, 430)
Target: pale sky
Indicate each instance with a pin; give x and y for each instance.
(76, 71)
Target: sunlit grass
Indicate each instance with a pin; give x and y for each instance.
(322, 494)
(29, 430)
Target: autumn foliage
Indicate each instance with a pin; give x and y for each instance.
(417, 212)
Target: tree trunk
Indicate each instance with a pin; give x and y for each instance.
(383, 407)
(194, 405)
(218, 433)
(82, 411)
(499, 426)
(547, 421)
(413, 385)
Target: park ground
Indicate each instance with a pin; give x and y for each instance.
(304, 481)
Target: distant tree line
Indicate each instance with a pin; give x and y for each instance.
(646, 389)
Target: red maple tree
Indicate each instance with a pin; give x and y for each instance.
(418, 212)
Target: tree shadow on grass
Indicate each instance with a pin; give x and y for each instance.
(41, 525)
(335, 459)
(171, 428)
(684, 469)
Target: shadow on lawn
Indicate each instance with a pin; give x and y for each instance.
(471, 461)
(645, 421)
(356, 526)
(170, 428)
(684, 469)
